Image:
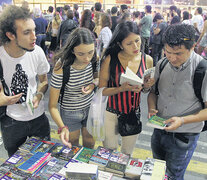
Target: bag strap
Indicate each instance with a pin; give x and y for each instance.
(162, 65)
(5, 87)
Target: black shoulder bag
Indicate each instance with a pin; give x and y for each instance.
(6, 92)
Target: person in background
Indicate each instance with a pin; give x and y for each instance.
(125, 17)
(136, 17)
(123, 9)
(98, 7)
(66, 28)
(64, 12)
(49, 15)
(114, 17)
(186, 18)
(123, 51)
(40, 29)
(158, 30)
(197, 21)
(105, 34)
(145, 25)
(202, 40)
(25, 69)
(183, 111)
(25, 5)
(76, 13)
(78, 57)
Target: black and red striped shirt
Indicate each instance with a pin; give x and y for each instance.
(124, 102)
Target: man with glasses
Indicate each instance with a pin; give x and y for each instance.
(22, 61)
(173, 99)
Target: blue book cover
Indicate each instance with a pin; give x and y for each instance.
(44, 147)
(56, 176)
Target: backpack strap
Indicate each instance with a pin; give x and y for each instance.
(162, 65)
(198, 79)
(66, 76)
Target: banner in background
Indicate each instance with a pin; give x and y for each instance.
(2, 2)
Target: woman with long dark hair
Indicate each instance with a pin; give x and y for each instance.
(78, 57)
(123, 51)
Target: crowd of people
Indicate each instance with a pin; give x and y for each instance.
(91, 50)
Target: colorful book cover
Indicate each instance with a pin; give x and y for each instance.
(18, 174)
(147, 169)
(54, 165)
(117, 162)
(44, 147)
(56, 149)
(29, 100)
(85, 154)
(156, 122)
(134, 168)
(67, 153)
(30, 144)
(101, 156)
(56, 176)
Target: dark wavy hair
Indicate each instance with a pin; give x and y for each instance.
(122, 31)
(86, 20)
(8, 18)
(179, 34)
(77, 37)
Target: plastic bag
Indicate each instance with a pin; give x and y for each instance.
(95, 121)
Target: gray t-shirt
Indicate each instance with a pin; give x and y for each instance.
(146, 23)
(176, 93)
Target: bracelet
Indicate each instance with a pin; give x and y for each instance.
(61, 128)
(42, 95)
(182, 121)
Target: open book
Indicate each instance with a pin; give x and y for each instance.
(29, 102)
(156, 122)
(130, 77)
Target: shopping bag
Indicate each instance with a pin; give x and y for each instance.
(95, 121)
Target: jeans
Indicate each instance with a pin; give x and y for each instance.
(15, 133)
(145, 45)
(177, 153)
(75, 120)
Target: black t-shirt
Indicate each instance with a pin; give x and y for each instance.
(114, 20)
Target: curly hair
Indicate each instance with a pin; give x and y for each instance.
(179, 34)
(8, 18)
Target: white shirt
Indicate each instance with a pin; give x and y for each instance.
(198, 19)
(19, 73)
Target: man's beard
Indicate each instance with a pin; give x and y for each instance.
(23, 48)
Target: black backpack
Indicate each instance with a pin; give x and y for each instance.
(197, 81)
(66, 76)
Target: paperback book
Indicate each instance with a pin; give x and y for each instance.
(117, 163)
(57, 176)
(30, 144)
(43, 146)
(156, 122)
(67, 153)
(85, 154)
(100, 157)
(29, 100)
(130, 77)
(103, 175)
(57, 148)
(134, 168)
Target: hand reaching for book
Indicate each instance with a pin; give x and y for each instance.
(152, 112)
(173, 123)
(64, 136)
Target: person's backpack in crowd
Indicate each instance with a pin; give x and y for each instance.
(197, 81)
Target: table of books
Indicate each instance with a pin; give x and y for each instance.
(39, 159)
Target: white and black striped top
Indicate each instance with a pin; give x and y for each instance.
(73, 98)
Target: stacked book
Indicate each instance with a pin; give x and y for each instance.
(37, 159)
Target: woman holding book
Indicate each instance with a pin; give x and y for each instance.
(73, 77)
(123, 51)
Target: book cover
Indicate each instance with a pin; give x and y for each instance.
(103, 175)
(67, 153)
(56, 149)
(29, 100)
(18, 158)
(117, 163)
(101, 156)
(134, 168)
(56, 176)
(85, 154)
(147, 169)
(156, 122)
(18, 174)
(159, 169)
(54, 165)
(30, 144)
(148, 74)
(82, 171)
(44, 147)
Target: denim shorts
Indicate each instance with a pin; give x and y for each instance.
(75, 120)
